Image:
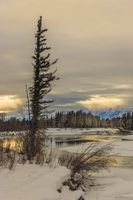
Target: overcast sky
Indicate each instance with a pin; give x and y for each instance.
(93, 40)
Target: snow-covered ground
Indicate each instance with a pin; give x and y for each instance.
(115, 184)
(33, 182)
(80, 131)
(66, 132)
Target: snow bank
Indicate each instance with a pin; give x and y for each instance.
(80, 131)
(66, 132)
(123, 148)
(33, 182)
(114, 184)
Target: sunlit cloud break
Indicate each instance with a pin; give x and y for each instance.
(9, 103)
(98, 102)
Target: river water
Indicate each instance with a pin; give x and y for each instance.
(122, 145)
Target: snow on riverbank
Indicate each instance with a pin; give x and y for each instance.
(80, 131)
(123, 148)
(66, 132)
(115, 184)
(33, 182)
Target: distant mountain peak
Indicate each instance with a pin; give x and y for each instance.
(113, 113)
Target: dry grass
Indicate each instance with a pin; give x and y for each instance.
(93, 158)
(7, 157)
(11, 152)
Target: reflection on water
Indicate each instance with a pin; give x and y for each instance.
(65, 141)
(123, 161)
(11, 144)
(101, 138)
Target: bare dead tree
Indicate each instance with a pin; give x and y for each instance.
(28, 104)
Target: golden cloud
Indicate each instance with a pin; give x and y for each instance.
(9, 103)
(99, 102)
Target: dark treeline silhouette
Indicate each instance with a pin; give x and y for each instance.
(126, 121)
(72, 119)
(82, 119)
(14, 124)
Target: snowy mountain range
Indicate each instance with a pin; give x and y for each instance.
(111, 113)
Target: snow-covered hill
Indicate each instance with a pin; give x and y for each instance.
(109, 114)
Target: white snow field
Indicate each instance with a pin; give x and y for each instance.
(80, 131)
(33, 182)
(115, 184)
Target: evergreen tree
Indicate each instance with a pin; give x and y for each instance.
(42, 85)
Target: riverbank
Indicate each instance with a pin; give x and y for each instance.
(114, 184)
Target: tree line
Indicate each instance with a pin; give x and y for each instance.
(80, 119)
(71, 119)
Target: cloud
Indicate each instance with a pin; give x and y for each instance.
(9, 103)
(123, 86)
(100, 102)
